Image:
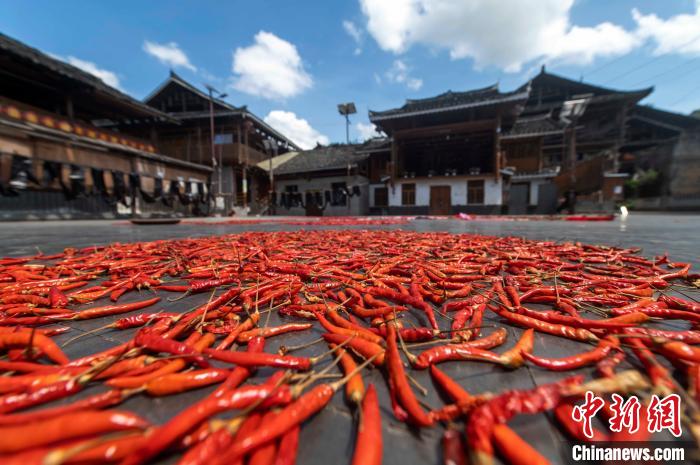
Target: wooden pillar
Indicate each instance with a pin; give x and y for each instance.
(199, 143)
(497, 147)
(69, 107)
(394, 163)
(571, 145)
(245, 166)
(239, 143)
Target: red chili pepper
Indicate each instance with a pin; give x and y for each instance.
(97, 401)
(290, 416)
(368, 445)
(159, 344)
(515, 449)
(16, 438)
(678, 303)
(249, 359)
(355, 387)
(25, 340)
(363, 347)
(402, 390)
(114, 309)
(180, 382)
(289, 444)
(195, 414)
(578, 334)
(474, 350)
(576, 361)
(57, 298)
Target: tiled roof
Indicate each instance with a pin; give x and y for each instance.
(449, 101)
(533, 126)
(52, 65)
(664, 118)
(580, 87)
(323, 158)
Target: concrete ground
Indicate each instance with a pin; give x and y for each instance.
(329, 437)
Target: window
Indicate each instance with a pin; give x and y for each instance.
(381, 197)
(408, 194)
(292, 196)
(475, 192)
(339, 194)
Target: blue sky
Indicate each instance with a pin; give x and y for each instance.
(296, 59)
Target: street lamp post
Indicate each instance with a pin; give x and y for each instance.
(214, 164)
(347, 109)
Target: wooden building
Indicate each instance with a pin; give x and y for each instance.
(669, 144)
(239, 138)
(331, 180)
(593, 123)
(486, 151)
(59, 160)
(446, 154)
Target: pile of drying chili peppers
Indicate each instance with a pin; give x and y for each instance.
(388, 301)
(315, 221)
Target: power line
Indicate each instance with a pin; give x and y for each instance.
(653, 60)
(605, 65)
(685, 96)
(643, 65)
(665, 72)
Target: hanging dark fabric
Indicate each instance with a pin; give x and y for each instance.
(186, 198)
(147, 189)
(75, 185)
(52, 172)
(135, 189)
(169, 197)
(328, 196)
(99, 186)
(202, 196)
(22, 170)
(120, 188)
(318, 197)
(158, 188)
(283, 200)
(356, 190)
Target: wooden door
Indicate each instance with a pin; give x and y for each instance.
(440, 200)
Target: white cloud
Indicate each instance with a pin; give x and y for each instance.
(356, 34)
(270, 68)
(400, 73)
(169, 54)
(108, 77)
(506, 34)
(297, 129)
(678, 34)
(367, 131)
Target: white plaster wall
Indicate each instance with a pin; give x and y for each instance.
(355, 205)
(492, 190)
(535, 189)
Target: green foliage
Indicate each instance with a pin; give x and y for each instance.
(644, 184)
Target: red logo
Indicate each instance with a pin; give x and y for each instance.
(661, 414)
